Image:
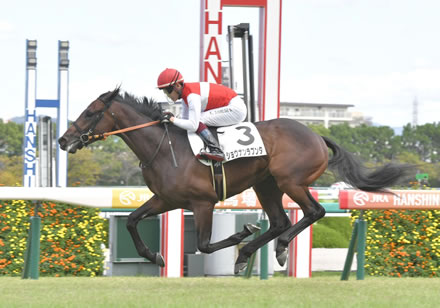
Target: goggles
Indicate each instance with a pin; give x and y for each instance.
(168, 89)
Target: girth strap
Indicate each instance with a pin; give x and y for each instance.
(219, 179)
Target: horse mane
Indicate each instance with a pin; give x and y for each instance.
(143, 105)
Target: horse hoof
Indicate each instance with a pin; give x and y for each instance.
(282, 258)
(252, 228)
(159, 260)
(239, 267)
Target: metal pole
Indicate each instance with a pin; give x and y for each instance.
(244, 57)
(350, 253)
(251, 261)
(362, 238)
(231, 50)
(30, 127)
(63, 109)
(264, 251)
(254, 108)
(32, 259)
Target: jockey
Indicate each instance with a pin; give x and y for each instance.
(204, 104)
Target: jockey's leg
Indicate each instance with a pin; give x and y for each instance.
(215, 152)
(231, 114)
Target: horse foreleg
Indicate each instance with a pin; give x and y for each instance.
(152, 207)
(312, 212)
(203, 222)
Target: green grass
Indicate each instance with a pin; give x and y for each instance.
(323, 291)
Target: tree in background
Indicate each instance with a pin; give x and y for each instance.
(11, 153)
(11, 138)
(119, 165)
(112, 163)
(82, 169)
(11, 170)
(418, 145)
(423, 140)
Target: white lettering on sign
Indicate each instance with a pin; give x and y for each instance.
(127, 197)
(144, 197)
(415, 199)
(233, 201)
(30, 150)
(130, 197)
(378, 198)
(360, 198)
(249, 198)
(212, 60)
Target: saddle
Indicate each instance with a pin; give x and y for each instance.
(236, 141)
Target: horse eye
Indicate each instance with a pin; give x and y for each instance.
(89, 114)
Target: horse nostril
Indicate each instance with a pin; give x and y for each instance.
(62, 142)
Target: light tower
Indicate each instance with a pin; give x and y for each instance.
(63, 99)
(32, 104)
(415, 119)
(30, 126)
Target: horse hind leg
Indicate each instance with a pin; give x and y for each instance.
(270, 198)
(312, 211)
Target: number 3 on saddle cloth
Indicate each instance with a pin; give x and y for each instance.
(236, 141)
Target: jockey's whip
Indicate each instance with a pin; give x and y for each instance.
(171, 146)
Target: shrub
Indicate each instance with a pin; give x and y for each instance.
(402, 243)
(332, 232)
(70, 242)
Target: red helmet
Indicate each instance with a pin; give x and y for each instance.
(169, 77)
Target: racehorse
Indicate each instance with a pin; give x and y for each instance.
(296, 157)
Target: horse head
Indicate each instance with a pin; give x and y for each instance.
(94, 120)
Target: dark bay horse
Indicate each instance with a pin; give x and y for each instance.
(296, 157)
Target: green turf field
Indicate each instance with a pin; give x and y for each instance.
(322, 291)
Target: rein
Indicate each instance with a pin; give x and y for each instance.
(119, 131)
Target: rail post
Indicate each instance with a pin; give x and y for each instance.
(32, 256)
(357, 243)
(362, 238)
(264, 251)
(250, 265)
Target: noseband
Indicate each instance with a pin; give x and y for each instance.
(87, 134)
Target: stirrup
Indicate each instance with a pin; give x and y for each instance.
(210, 156)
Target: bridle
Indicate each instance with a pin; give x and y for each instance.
(86, 135)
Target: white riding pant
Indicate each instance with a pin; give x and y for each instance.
(232, 114)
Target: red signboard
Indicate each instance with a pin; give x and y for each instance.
(248, 200)
(398, 199)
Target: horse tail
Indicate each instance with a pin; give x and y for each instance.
(353, 172)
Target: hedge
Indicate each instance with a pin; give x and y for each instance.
(332, 232)
(70, 242)
(402, 243)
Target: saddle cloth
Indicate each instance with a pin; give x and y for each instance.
(236, 141)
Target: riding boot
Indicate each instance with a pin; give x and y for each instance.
(215, 153)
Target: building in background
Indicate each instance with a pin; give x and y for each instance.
(309, 113)
(322, 114)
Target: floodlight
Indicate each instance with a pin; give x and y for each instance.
(63, 55)
(31, 54)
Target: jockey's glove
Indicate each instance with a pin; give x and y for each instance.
(166, 116)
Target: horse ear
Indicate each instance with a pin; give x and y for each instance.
(114, 93)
